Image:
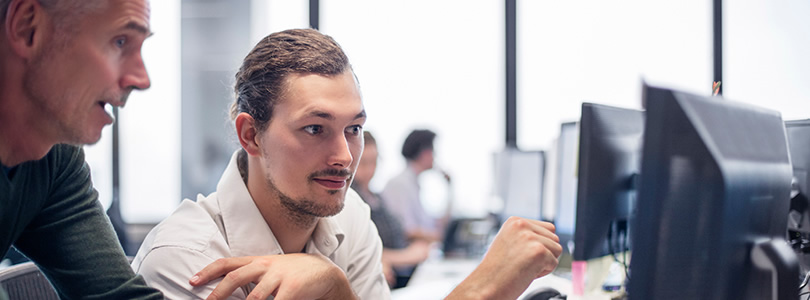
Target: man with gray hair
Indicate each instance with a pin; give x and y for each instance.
(61, 63)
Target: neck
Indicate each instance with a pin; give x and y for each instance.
(416, 167)
(291, 229)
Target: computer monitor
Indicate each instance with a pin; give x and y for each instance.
(609, 157)
(798, 133)
(713, 202)
(519, 183)
(565, 189)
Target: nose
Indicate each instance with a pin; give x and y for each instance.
(135, 75)
(341, 153)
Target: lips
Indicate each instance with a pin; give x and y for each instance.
(331, 183)
(107, 115)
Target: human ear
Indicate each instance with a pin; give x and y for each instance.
(247, 132)
(24, 22)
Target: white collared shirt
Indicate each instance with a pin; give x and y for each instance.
(227, 223)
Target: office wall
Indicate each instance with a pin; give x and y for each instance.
(571, 52)
(440, 65)
(765, 55)
(149, 130)
(216, 36)
(429, 64)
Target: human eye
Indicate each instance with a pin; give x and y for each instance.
(120, 42)
(313, 129)
(355, 130)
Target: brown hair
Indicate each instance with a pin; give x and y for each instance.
(261, 80)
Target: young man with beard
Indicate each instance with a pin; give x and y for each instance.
(283, 220)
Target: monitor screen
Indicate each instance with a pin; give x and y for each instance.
(609, 157)
(713, 197)
(566, 183)
(519, 183)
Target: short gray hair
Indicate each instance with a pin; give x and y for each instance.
(66, 13)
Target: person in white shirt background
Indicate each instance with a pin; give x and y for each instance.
(402, 192)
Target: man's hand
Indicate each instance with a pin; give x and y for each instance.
(522, 251)
(288, 276)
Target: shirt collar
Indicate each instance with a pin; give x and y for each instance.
(246, 230)
(7, 172)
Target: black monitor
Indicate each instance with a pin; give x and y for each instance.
(798, 133)
(713, 202)
(609, 157)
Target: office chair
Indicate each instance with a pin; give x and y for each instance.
(25, 281)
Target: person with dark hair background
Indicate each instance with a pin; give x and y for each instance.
(402, 192)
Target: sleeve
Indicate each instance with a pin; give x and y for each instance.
(71, 238)
(169, 268)
(365, 270)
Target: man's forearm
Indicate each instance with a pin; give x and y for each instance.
(341, 290)
(476, 286)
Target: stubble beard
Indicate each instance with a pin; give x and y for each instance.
(67, 128)
(304, 212)
(47, 100)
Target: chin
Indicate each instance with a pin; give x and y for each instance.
(90, 140)
(90, 134)
(337, 197)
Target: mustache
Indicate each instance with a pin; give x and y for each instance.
(331, 172)
(117, 98)
(125, 96)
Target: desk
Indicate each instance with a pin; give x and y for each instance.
(434, 279)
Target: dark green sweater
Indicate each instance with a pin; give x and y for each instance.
(50, 212)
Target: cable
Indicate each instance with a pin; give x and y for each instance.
(621, 239)
(624, 259)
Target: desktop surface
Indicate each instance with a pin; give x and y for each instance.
(436, 278)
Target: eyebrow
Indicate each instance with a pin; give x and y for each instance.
(139, 28)
(330, 117)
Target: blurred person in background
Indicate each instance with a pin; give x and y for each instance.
(402, 192)
(400, 255)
